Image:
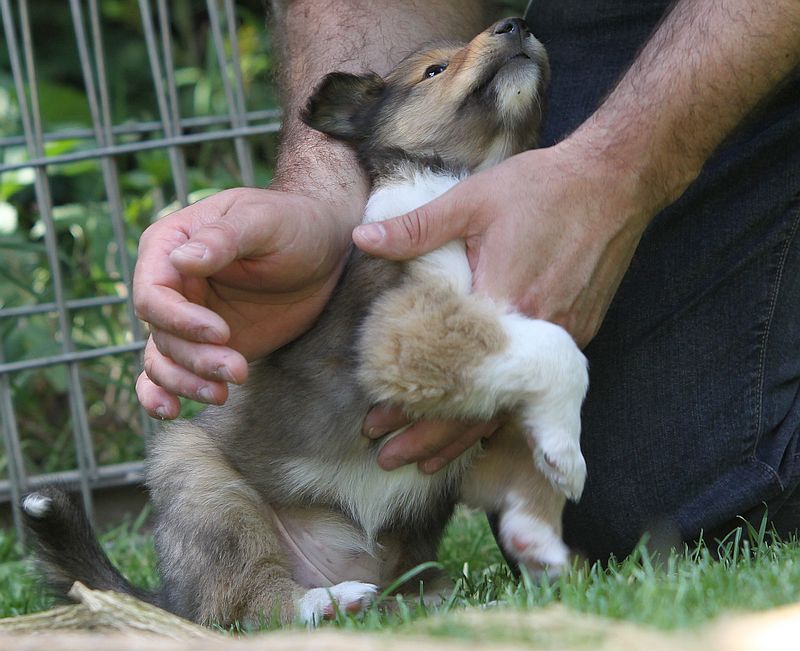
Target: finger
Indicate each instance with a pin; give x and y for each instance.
(384, 419)
(168, 310)
(450, 452)
(212, 247)
(422, 230)
(421, 441)
(249, 224)
(178, 381)
(160, 291)
(216, 363)
(157, 402)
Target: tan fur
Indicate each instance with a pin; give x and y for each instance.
(220, 516)
(428, 108)
(421, 344)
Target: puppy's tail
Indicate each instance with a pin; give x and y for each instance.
(67, 546)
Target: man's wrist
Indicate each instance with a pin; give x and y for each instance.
(313, 165)
(645, 173)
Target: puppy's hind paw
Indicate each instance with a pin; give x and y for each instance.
(533, 543)
(319, 604)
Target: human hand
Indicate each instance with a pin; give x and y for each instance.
(433, 444)
(550, 232)
(229, 279)
(546, 232)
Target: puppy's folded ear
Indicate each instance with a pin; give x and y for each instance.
(341, 106)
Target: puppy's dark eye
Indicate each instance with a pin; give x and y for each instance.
(432, 71)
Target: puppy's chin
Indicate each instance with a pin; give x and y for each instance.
(515, 89)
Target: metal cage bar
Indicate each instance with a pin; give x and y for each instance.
(139, 128)
(175, 155)
(234, 109)
(108, 144)
(30, 115)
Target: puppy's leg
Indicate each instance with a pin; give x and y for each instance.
(220, 556)
(504, 480)
(545, 374)
(441, 353)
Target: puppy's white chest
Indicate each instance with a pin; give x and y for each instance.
(410, 191)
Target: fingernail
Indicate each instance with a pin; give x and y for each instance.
(162, 412)
(193, 250)
(206, 394)
(433, 465)
(377, 432)
(224, 373)
(372, 233)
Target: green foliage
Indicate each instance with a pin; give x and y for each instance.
(89, 261)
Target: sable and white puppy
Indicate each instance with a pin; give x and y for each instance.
(274, 502)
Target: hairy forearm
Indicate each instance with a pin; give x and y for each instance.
(707, 65)
(315, 37)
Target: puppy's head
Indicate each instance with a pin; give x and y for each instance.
(461, 107)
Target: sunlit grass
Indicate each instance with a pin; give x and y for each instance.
(749, 571)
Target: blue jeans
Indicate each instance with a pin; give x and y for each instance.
(693, 412)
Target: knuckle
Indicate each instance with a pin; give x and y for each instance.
(428, 446)
(222, 233)
(150, 369)
(415, 226)
(140, 307)
(431, 439)
(222, 240)
(147, 234)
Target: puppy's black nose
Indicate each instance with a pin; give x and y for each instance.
(515, 26)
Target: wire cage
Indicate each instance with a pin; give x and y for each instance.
(112, 112)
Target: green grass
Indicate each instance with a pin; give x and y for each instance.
(748, 572)
(20, 592)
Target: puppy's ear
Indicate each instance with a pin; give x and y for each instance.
(342, 103)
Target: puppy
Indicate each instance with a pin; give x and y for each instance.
(274, 504)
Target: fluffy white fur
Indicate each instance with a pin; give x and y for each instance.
(370, 495)
(544, 373)
(414, 188)
(36, 505)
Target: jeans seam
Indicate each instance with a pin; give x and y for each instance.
(773, 300)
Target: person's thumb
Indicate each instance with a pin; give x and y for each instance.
(213, 244)
(417, 232)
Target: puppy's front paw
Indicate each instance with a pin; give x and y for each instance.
(321, 603)
(551, 411)
(559, 459)
(553, 422)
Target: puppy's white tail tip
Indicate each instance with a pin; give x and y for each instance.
(36, 505)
